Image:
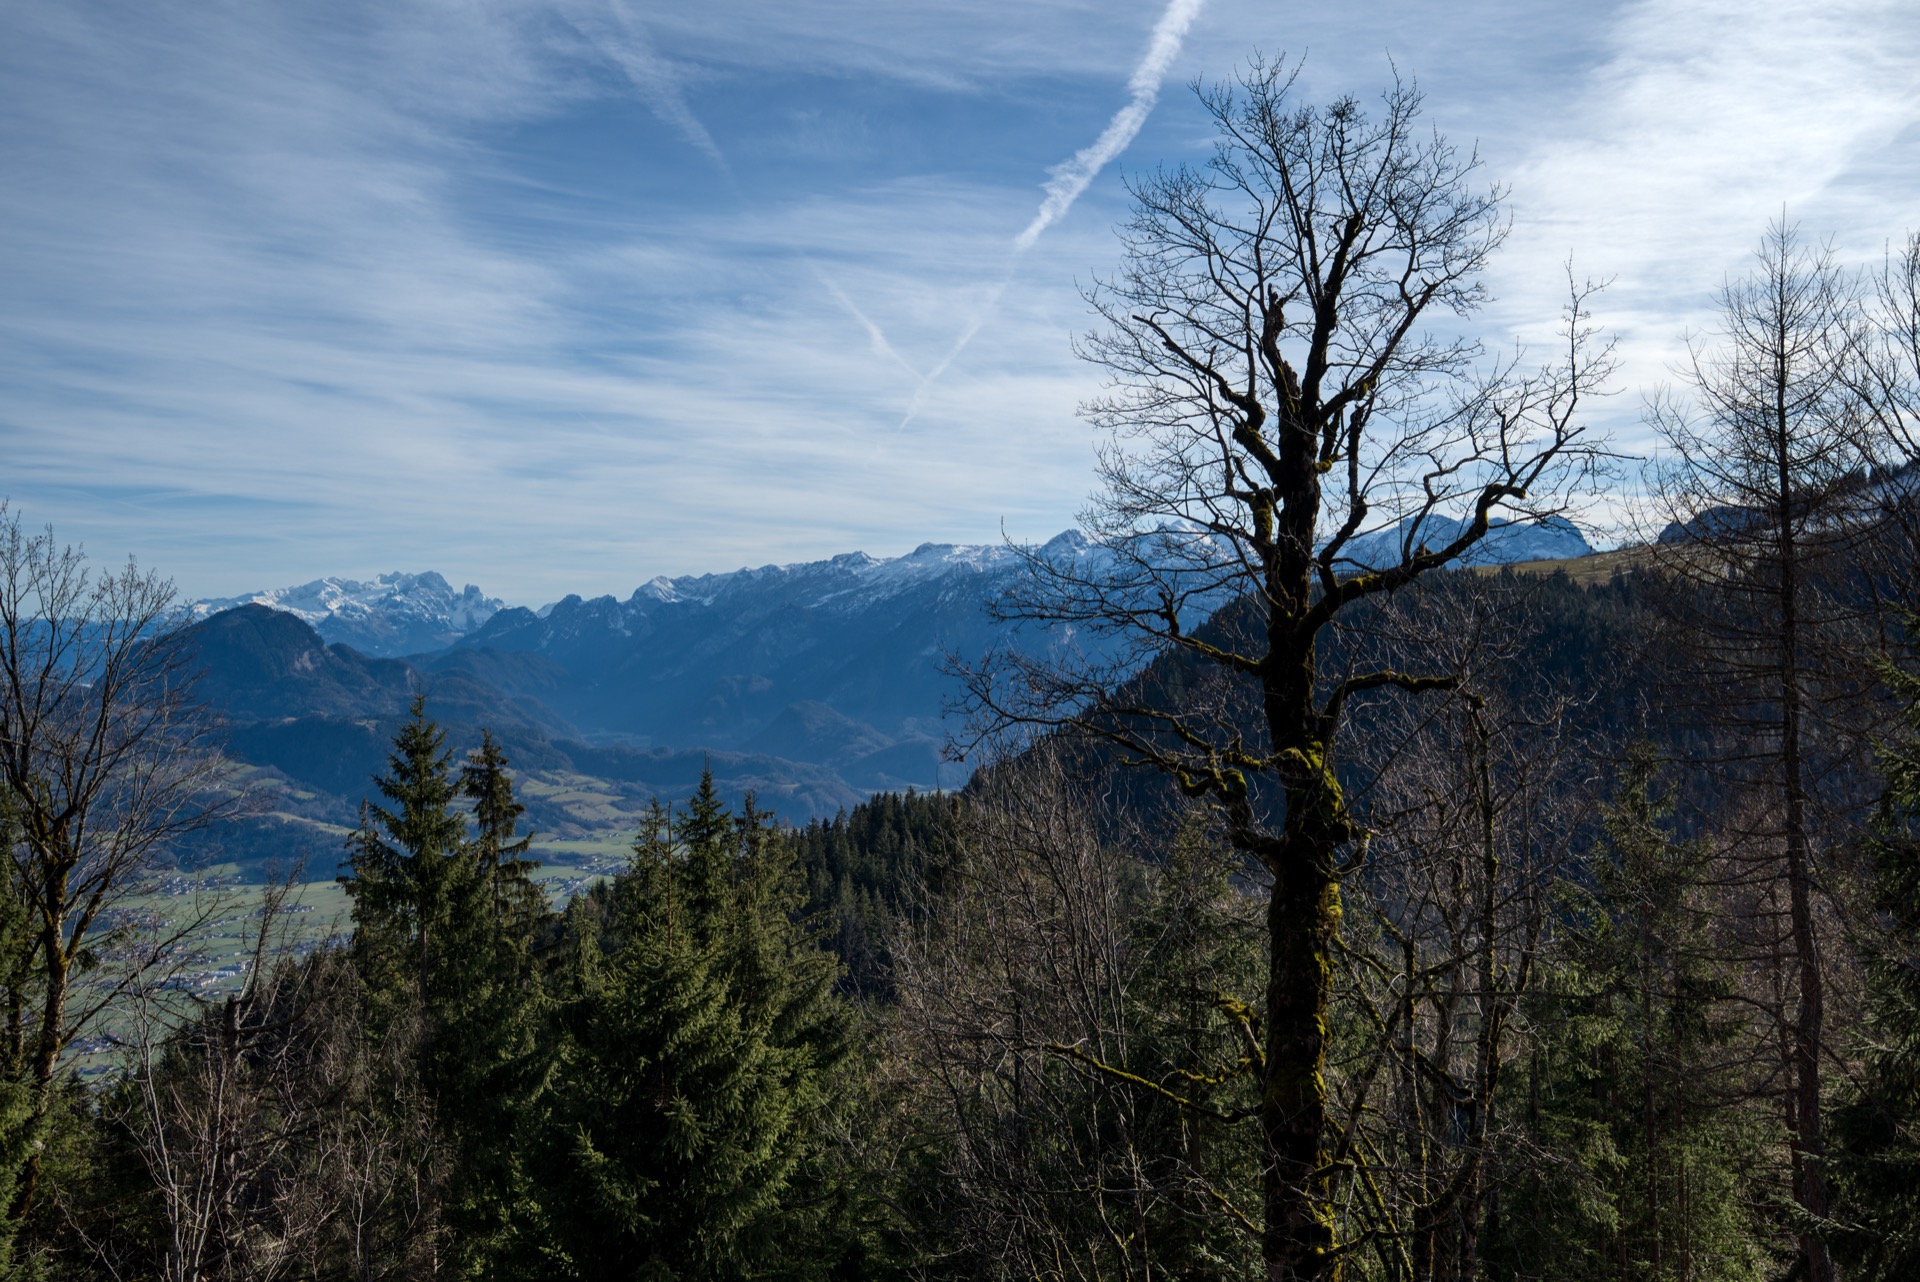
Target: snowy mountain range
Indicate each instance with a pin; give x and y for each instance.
(390, 615)
(815, 683)
(400, 614)
(825, 657)
(1552, 538)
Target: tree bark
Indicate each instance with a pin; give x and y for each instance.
(1302, 918)
(1809, 1148)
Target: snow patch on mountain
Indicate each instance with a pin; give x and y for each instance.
(847, 578)
(392, 614)
(1552, 538)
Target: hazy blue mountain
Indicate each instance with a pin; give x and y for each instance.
(311, 724)
(260, 664)
(1553, 538)
(812, 685)
(835, 661)
(393, 614)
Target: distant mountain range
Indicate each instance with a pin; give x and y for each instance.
(1552, 538)
(812, 685)
(391, 615)
(759, 658)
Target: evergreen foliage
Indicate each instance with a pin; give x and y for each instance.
(703, 1037)
(858, 865)
(443, 926)
(518, 903)
(1634, 1083)
(26, 1110)
(1198, 936)
(1877, 1125)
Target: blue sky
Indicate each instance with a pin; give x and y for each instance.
(557, 297)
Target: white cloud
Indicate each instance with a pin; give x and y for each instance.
(1702, 122)
(304, 289)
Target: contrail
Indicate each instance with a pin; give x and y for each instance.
(655, 78)
(659, 84)
(881, 346)
(1071, 177)
(960, 345)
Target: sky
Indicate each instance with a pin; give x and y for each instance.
(555, 297)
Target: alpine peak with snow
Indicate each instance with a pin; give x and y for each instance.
(1506, 542)
(391, 614)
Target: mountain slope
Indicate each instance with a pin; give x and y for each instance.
(309, 726)
(1552, 538)
(393, 614)
(719, 659)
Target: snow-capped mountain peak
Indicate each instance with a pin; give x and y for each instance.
(1506, 542)
(391, 614)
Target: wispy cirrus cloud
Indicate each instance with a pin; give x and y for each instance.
(313, 288)
(1696, 125)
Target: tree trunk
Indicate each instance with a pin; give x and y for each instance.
(1302, 919)
(47, 1041)
(1809, 1179)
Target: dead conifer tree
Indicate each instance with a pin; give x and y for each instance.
(1767, 497)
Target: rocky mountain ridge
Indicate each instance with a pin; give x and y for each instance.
(384, 617)
(812, 684)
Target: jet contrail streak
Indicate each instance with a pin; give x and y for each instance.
(655, 78)
(960, 345)
(881, 346)
(1071, 177)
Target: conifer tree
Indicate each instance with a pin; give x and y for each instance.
(1634, 1096)
(441, 931)
(702, 1035)
(1877, 1129)
(23, 1123)
(1199, 939)
(409, 871)
(517, 902)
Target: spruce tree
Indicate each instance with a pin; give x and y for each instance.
(1877, 1128)
(410, 874)
(1640, 1139)
(442, 927)
(24, 1113)
(518, 903)
(1193, 1006)
(701, 1038)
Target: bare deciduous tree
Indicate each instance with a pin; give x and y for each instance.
(105, 763)
(1051, 959)
(215, 1103)
(1289, 377)
(1470, 804)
